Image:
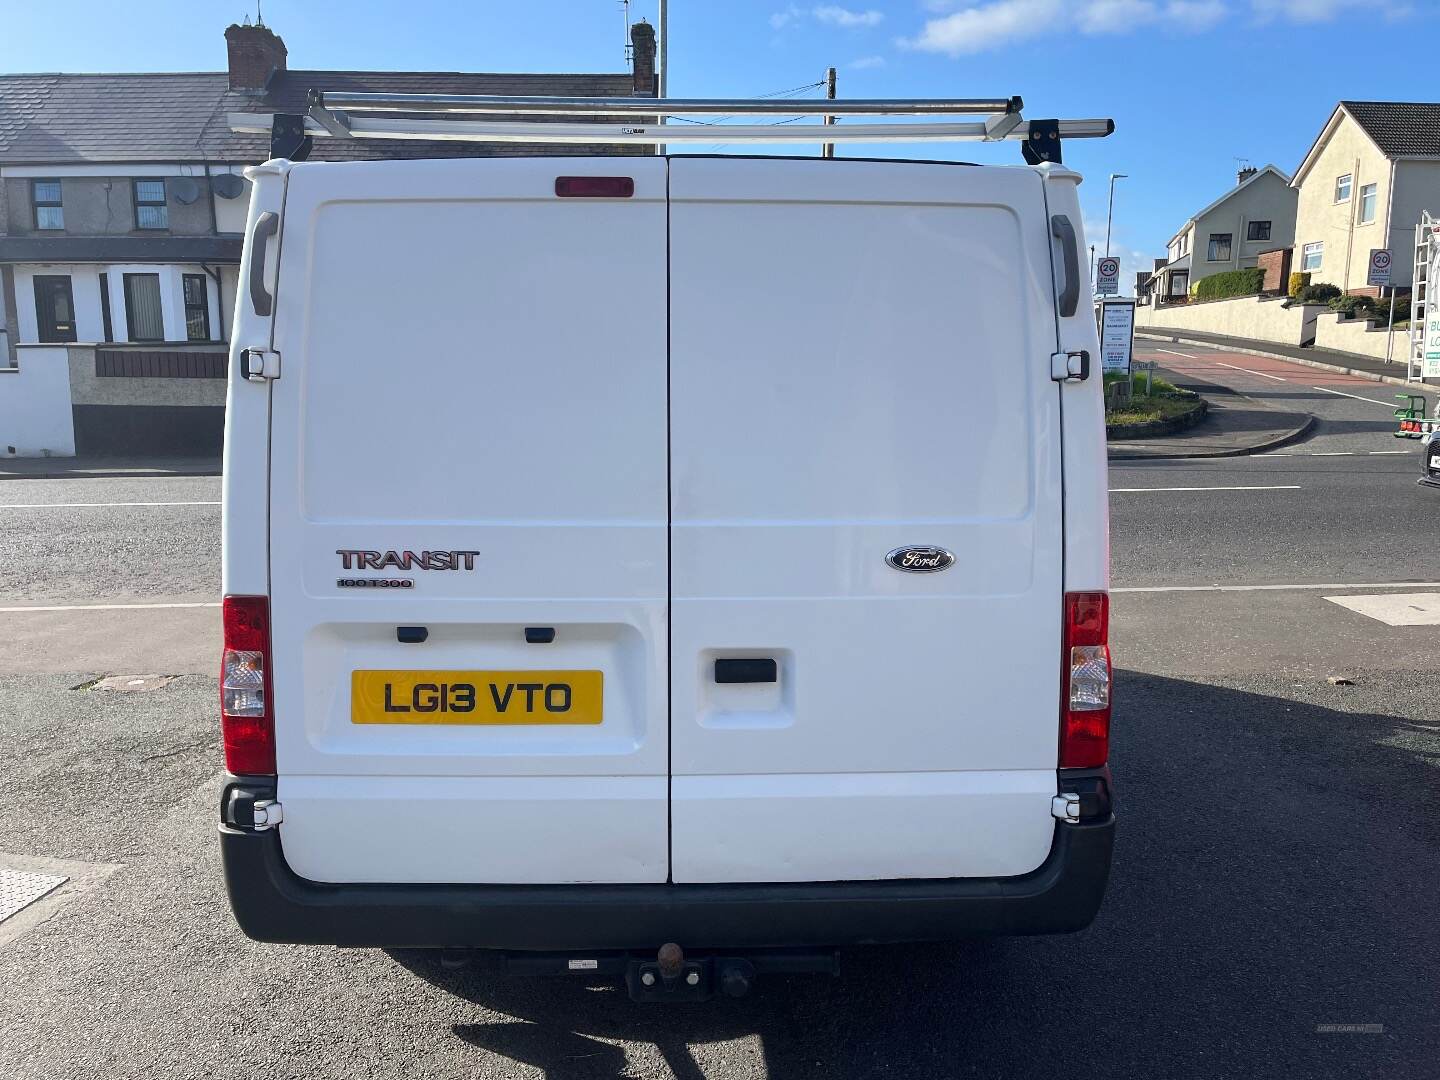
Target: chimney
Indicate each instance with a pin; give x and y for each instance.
(642, 51)
(1245, 174)
(256, 53)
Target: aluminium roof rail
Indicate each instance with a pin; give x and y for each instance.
(510, 119)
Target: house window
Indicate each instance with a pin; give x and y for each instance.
(197, 308)
(1219, 250)
(142, 307)
(45, 194)
(1257, 230)
(1179, 284)
(105, 307)
(1342, 188)
(1367, 203)
(54, 308)
(1311, 255)
(150, 209)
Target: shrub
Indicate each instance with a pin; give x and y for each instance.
(1298, 280)
(1247, 282)
(1317, 294)
(1354, 307)
(1382, 310)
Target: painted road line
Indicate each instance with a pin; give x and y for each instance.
(1186, 355)
(1357, 397)
(1238, 487)
(1395, 609)
(111, 607)
(1250, 371)
(84, 506)
(1332, 453)
(1279, 588)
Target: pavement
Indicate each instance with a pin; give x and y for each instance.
(1270, 913)
(19, 468)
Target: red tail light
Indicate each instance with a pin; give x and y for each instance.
(594, 187)
(246, 721)
(1085, 689)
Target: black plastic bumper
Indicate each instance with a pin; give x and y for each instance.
(272, 904)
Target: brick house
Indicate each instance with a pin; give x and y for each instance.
(121, 210)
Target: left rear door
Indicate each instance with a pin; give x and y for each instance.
(471, 364)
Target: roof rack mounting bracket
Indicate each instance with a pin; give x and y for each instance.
(333, 121)
(1043, 144)
(288, 138)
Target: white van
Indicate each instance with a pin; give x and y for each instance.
(689, 551)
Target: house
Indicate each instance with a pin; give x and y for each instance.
(1255, 216)
(122, 203)
(1373, 170)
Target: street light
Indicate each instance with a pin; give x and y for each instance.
(1110, 213)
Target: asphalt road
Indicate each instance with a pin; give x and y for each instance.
(1276, 869)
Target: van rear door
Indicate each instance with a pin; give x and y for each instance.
(471, 406)
(860, 362)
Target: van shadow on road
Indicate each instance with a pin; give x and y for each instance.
(1275, 871)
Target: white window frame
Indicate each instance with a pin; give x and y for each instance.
(1317, 248)
(1374, 197)
(1348, 181)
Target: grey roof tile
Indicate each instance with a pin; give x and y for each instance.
(1399, 127)
(182, 117)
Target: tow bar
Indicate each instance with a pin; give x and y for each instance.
(673, 976)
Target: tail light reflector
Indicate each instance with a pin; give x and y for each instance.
(594, 187)
(246, 722)
(1085, 708)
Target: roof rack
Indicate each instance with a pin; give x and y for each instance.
(510, 119)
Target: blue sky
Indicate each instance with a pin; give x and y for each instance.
(1191, 84)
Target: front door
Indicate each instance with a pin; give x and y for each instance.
(54, 308)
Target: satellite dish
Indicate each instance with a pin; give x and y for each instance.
(185, 189)
(227, 185)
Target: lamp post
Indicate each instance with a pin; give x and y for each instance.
(1110, 213)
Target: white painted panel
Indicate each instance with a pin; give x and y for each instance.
(1395, 609)
(861, 826)
(887, 385)
(35, 413)
(471, 363)
(495, 830)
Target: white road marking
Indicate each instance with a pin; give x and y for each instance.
(1395, 609)
(1244, 487)
(110, 607)
(1279, 588)
(1357, 397)
(1331, 453)
(1250, 371)
(76, 506)
(1172, 352)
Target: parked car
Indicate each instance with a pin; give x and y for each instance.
(697, 552)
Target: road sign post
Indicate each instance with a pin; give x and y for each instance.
(1107, 276)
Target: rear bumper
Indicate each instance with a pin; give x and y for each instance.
(272, 904)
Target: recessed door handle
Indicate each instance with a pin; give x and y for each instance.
(749, 669)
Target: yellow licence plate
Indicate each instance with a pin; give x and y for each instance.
(476, 697)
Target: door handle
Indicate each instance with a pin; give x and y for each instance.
(265, 227)
(1062, 230)
(747, 670)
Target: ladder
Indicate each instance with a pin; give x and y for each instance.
(1427, 236)
(640, 120)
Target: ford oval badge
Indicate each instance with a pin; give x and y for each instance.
(920, 560)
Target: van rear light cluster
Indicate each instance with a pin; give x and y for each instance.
(1085, 711)
(246, 722)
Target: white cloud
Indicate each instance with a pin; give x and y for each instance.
(836, 15)
(868, 62)
(983, 26)
(1300, 11)
(781, 19)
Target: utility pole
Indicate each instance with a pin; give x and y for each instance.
(662, 74)
(1109, 214)
(828, 149)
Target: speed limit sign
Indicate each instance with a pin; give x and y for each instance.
(1107, 276)
(1379, 267)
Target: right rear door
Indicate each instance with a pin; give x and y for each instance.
(859, 361)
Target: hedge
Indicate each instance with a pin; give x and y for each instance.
(1318, 294)
(1247, 282)
(1298, 280)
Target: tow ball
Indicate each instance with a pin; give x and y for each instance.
(671, 977)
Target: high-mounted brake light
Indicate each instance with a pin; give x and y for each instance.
(594, 187)
(1085, 708)
(246, 722)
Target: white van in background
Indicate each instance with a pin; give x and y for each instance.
(699, 552)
